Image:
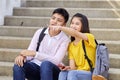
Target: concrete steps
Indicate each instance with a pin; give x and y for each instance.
(114, 74)
(23, 43)
(23, 31)
(14, 42)
(43, 21)
(6, 78)
(105, 34)
(7, 66)
(70, 3)
(99, 12)
(8, 55)
(5, 52)
(114, 60)
(17, 31)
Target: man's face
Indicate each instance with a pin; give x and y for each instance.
(57, 20)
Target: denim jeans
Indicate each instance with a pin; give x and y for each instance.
(75, 75)
(31, 71)
(49, 71)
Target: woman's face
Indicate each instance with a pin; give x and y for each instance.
(76, 24)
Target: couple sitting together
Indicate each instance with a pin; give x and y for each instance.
(46, 63)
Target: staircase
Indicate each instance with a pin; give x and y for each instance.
(17, 31)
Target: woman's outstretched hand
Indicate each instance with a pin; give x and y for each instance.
(55, 28)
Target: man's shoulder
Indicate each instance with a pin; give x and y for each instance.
(39, 30)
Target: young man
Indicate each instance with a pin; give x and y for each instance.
(43, 64)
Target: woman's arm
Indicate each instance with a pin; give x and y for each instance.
(72, 64)
(70, 67)
(71, 32)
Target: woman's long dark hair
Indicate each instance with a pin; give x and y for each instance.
(85, 24)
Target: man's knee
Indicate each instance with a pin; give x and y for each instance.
(16, 68)
(46, 63)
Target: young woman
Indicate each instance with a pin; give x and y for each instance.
(78, 68)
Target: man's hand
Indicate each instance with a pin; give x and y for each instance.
(19, 60)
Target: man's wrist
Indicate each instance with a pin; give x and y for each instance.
(22, 55)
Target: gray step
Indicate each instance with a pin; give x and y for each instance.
(5, 52)
(114, 74)
(114, 60)
(9, 55)
(46, 12)
(14, 42)
(74, 4)
(43, 21)
(6, 70)
(23, 43)
(18, 31)
(106, 34)
(6, 78)
(113, 46)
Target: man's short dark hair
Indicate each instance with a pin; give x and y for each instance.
(62, 12)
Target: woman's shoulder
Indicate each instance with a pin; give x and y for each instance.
(89, 34)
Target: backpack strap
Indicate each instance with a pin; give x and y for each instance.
(86, 57)
(40, 38)
(96, 42)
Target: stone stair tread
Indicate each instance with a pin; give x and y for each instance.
(105, 29)
(99, 41)
(33, 27)
(11, 37)
(109, 42)
(43, 21)
(69, 3)
(10, 64)
(12, 42)
(114, 60)
(25, 27)
(42, 17)
(6, 78)
(116, 56)
(11, 50)
(52, 8)
(114, 70)
(35, 11)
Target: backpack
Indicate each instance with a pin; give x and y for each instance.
(102, 61)
(40, 38)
